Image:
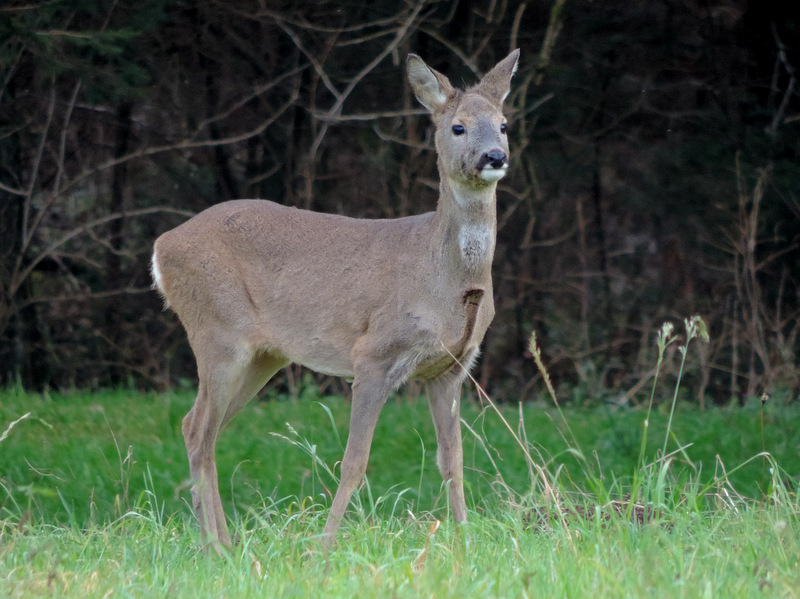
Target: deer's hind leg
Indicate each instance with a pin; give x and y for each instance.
(225, 387)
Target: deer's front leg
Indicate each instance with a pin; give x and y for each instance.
(370, 389)
(445, 402)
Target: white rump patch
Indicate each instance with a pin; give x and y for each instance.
(158, 283)
(155, 271)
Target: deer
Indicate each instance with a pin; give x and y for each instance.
(258, 286)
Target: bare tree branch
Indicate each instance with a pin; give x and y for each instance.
(335, 110)
(366, 116)
(19, 276)
(778, 117)
(258, 91)
(186, 144)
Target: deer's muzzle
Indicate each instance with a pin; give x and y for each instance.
(492, 165)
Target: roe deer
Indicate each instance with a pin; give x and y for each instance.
(258, 286)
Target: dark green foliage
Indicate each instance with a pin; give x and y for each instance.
(655, 172)
(94, 42)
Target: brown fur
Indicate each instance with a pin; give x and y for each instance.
(258, 285)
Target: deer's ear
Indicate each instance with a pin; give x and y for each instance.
(431, 87)
(496, 84)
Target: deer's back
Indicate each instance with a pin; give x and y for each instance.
(306, 283)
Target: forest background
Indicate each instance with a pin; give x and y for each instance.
(654, 174)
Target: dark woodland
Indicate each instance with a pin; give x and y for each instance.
(655, 174)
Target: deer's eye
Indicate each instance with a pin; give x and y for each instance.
(459, 130)
(503, 128)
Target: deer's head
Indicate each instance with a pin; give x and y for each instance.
(470, 127)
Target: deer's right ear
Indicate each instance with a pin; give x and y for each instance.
(431, 87)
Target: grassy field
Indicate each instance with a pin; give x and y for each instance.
(94, 497)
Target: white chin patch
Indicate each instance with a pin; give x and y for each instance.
(493, 174)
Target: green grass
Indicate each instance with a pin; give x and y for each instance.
(732, 554)
(94, 500)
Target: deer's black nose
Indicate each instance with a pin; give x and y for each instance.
(497, 158)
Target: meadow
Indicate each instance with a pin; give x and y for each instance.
(579, 502)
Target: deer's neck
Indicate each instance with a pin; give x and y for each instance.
(467, 221)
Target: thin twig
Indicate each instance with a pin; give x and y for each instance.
(23, 274)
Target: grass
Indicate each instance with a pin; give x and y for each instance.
(732, 554)
(85, 515)
(84, 459)
(583, 502)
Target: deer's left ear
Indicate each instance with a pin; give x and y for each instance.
(496, 84)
